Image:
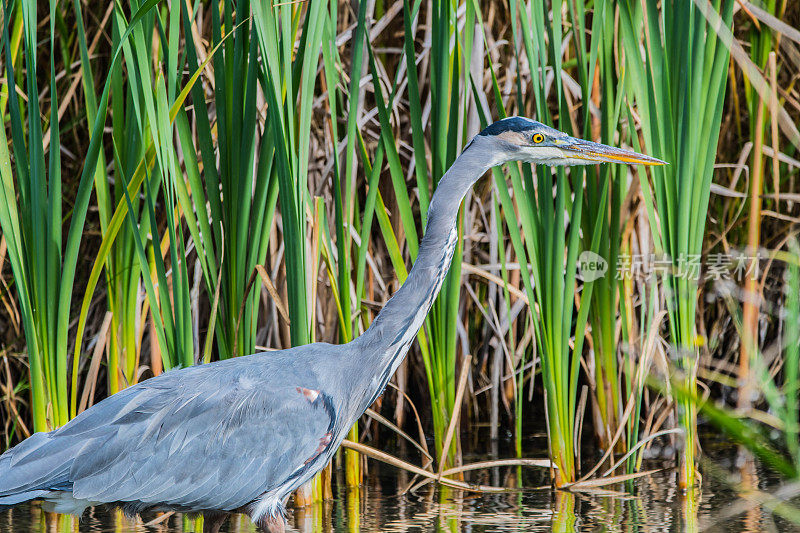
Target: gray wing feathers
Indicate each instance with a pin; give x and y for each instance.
(203, 449)
(32, 465)
(194, 439)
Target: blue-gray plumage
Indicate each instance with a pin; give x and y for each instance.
(517, 124)
(240, 435)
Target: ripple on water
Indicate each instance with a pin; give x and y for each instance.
(656, 506)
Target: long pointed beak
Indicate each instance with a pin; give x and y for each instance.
(601, 153)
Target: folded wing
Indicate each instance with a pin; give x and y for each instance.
(208, 437)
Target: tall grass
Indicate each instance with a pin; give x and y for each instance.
(552, 223)
(289, 79)
(602, 222)
(230, 193)
(771, 434)
(43, 268)
(34, 247)
(168, 293)
(762, 42)
(151, 122)
(122, 271)
(622, 346)
(549, 254)
(679, 91)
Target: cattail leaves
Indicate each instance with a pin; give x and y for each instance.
(43, 269)
(288, 80)
(679, 91)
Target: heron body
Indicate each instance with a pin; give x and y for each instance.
(241, 435)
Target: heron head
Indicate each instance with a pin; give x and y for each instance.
(523, 139)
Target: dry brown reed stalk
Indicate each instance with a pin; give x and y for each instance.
(605, 481)
(752, 298)
(6, 297)
(12, 402)
(439, 477)
(773, 106)
(73, 87)
(386, 422)
(456, 414)
(90, 385)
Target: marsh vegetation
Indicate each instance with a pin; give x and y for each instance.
(190, 181)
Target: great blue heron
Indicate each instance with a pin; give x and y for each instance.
(241, 435)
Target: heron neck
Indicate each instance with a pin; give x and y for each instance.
(391, 333)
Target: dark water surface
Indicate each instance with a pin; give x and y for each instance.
(655, 505)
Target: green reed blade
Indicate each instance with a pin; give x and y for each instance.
(791, 378)
(393, 158)
(679, 91)
(120, 212)
(147, 278)
(289, 87)
(47, 321)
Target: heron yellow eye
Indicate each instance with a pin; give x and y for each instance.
(537, 138)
